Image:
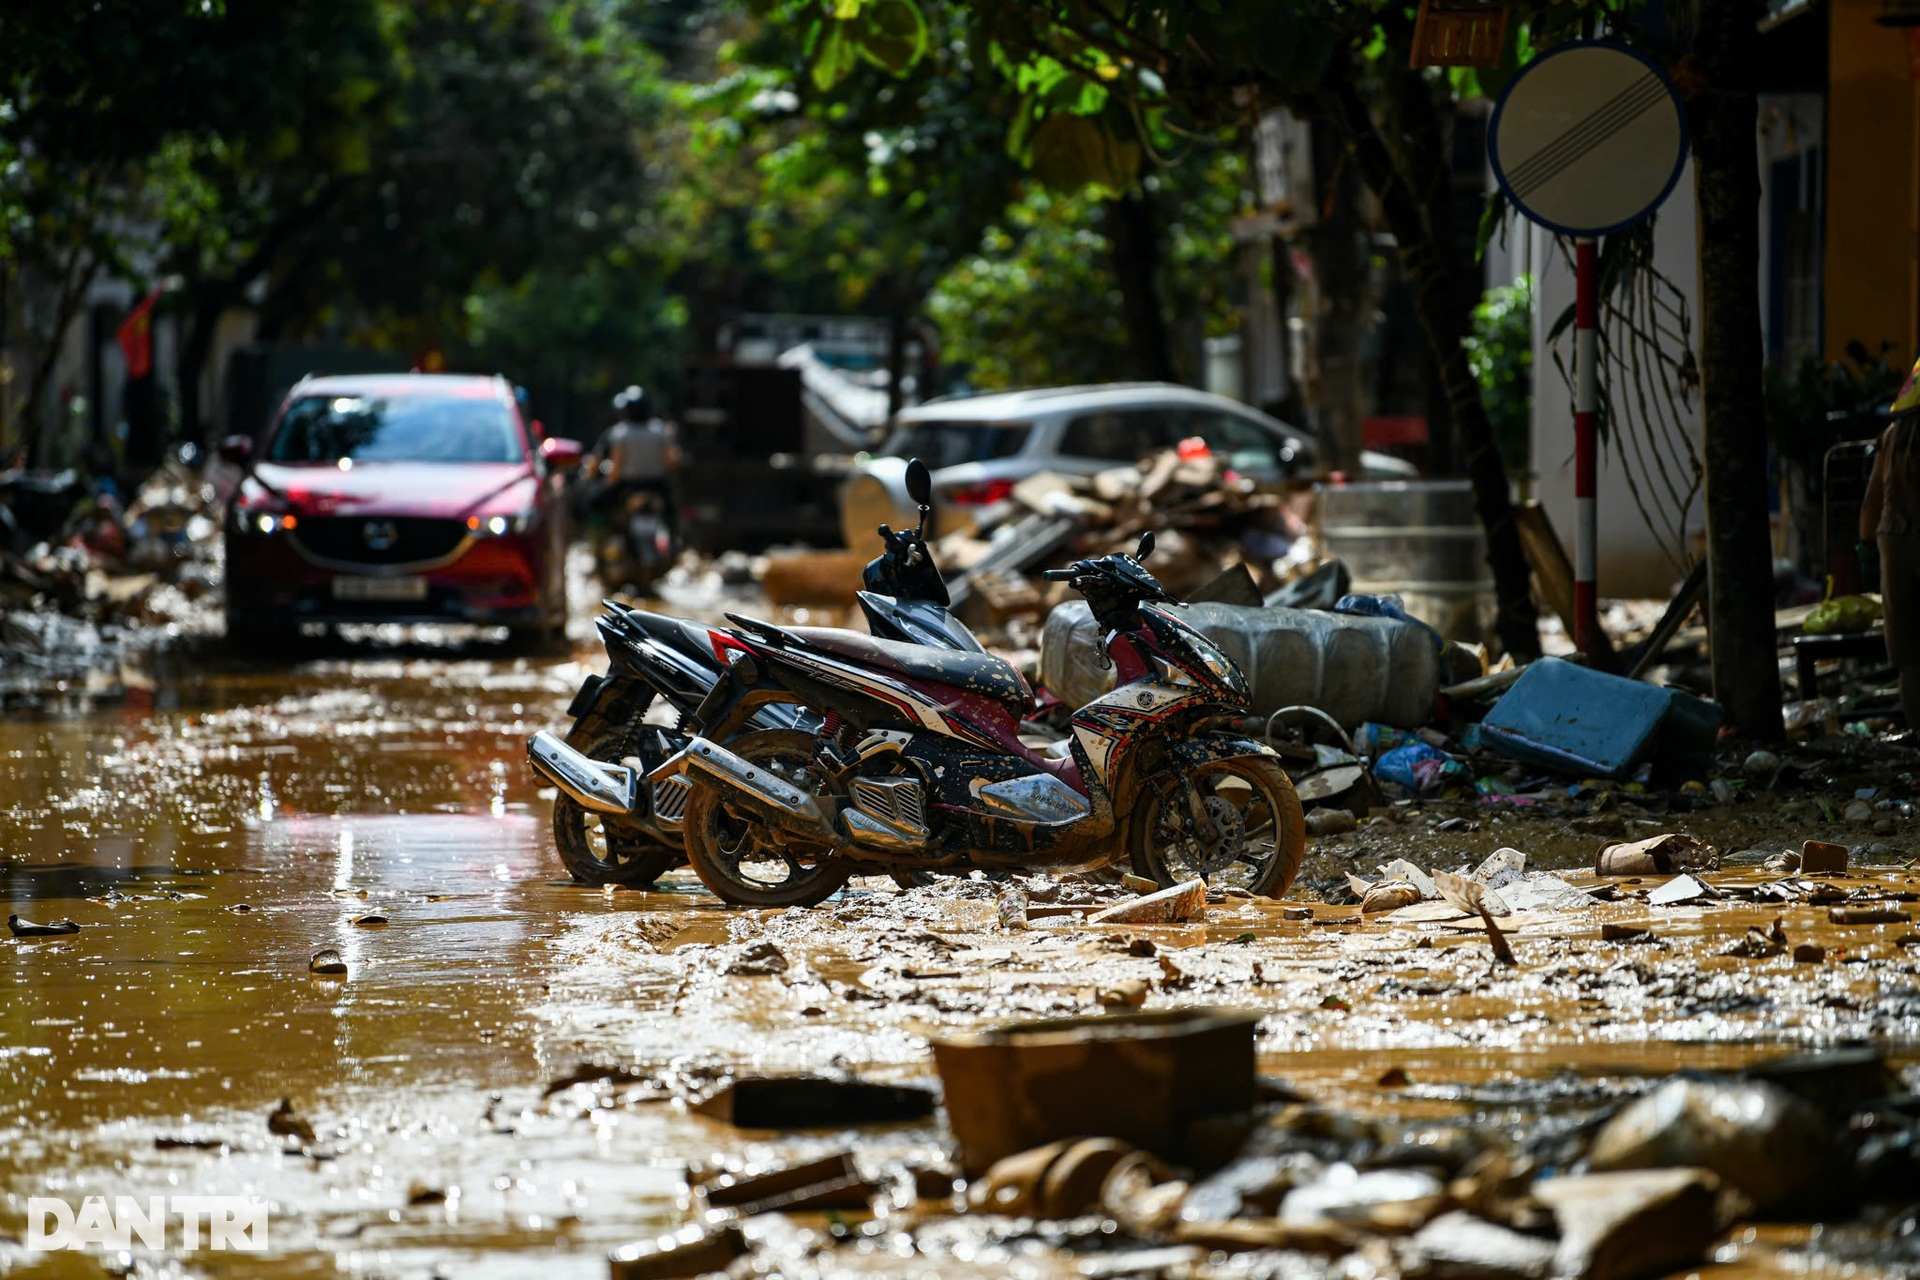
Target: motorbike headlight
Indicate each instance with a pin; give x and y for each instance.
(1170, 674)
(1219, 667)
(499, 526)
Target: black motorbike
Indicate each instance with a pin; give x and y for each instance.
(611, 829)
(633, 544)
(918, 766)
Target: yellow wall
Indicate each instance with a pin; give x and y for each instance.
(1872, 233)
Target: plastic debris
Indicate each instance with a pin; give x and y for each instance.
(1586, 723)
(1181, 903)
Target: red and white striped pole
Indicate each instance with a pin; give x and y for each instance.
(1586, 422)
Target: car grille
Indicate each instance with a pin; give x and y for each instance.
(379, 540)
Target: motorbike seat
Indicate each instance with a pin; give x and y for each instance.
(979, 673)
(689, 637)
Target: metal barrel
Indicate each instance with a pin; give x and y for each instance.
(1419, 540)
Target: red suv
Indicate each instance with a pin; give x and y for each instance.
(398, 498)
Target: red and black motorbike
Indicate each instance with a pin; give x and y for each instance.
(918, 764)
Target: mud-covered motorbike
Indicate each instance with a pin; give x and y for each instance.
(917, 765)
(633, 543)
(611, 828)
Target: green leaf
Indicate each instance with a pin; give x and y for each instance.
(893, 35)
(1074, 152)
(1493, 219)
(836, 57)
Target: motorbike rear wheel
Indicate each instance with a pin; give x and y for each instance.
(1258, 833)
(598, 848)
(743, 859)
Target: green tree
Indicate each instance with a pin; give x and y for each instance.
(1041, 302)
(102, 141)
(1099, 84)
(1500, 351)
(865, 187)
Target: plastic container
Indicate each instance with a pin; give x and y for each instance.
(1418, 539)
(1593, 725)
(1353, 668)
(1139, 1077)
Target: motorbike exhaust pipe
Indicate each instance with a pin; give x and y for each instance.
(749, 786)
(605, 788)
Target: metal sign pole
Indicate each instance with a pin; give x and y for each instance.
(1586, 141)
(1586, 423)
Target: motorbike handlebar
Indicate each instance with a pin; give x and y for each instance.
(1058, 575)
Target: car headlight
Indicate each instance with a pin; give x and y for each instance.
(258, 521)
(499, 526)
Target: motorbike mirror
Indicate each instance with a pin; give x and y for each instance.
(1146, 546)
(919, 483)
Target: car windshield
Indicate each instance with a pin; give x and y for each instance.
(396, 429)
(949, 444)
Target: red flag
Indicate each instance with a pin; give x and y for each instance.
(136, 336)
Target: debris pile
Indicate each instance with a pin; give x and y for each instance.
(1145, 1143)
(1204, 521)
(91, 590)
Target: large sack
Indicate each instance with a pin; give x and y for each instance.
(1355, 669)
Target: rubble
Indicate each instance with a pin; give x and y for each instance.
(1459, 1246)
(692, 1251)
(1757, 1137)
(1661, 855)
(327, 963)
(24, 928)
(1181, 903)
(1630, 1226)
(105, 592)
(811, 1102)
(832, 1182)
(1132, 1076)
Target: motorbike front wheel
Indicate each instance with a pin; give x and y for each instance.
(597, 848)
(745, 861)
(1249, 833)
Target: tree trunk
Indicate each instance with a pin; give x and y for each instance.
(1340, 274)
(76, 275)
(1746, 672)
(212, 298)
(896, 359)
(1434, 283)
(1135, 240)
(210, 304)
(1290, 407)
(1421, 121)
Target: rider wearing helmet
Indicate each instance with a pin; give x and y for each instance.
(638, 453)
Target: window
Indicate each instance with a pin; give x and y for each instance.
(402, 429)
(1244, 445)
(1119, 435)
(949, 444)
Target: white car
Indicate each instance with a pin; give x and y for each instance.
(979, 447)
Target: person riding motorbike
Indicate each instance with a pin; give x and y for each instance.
(639, 453)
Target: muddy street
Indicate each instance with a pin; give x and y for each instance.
(498, 1083)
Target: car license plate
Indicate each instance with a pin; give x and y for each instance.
(408, 587)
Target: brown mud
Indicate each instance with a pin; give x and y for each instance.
(211, 839)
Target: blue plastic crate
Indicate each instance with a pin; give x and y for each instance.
(1589, 724)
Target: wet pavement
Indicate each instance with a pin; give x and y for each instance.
(211, 838)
